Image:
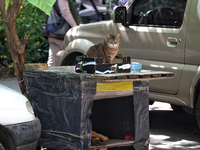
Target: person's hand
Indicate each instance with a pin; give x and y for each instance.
(74, 25)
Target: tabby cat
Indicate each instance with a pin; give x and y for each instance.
(106, 50)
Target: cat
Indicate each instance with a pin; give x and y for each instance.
(106, 50)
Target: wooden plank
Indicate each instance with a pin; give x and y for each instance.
(113, 143)
(168, 75)
(98, 149)
(121, 77)
(36, 66)
(133, 76)
(157, 75)
(137, 79)
(118, 77)
(145, 76)
(150, 74)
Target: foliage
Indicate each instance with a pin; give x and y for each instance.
(44, 5)
(5, 57)
(113, 3)
(29, 21)
(77, 7)
(43, 148)
(7, 3)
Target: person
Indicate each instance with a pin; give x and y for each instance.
(88, 13)
(65, 9)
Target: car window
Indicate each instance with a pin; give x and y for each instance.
(163, 13)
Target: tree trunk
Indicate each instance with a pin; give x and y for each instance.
(17, 48)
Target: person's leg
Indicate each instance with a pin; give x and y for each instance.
(54, 47)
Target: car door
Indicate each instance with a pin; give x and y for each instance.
(155, 37)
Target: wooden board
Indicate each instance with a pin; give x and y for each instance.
(143, 75)
(112, 143)
(117, 77)
(36, 66)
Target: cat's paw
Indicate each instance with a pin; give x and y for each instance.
(119, 56)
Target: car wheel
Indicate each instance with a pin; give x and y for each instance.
(176, 108)
(151, 102)
(198, 112)
(6, 140)
(1, 147)
(70, 59)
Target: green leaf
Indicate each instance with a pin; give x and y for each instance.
(44, 5)
(7, 3)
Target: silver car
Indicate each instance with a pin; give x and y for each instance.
(163, 35)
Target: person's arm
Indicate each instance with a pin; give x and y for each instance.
(66, 13)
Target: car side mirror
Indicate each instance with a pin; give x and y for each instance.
(119, 14)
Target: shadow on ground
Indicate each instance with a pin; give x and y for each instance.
(172, 130)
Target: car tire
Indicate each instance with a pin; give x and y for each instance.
(151, 102)
(71, 59)
(6, 140)
(198, 112)
(1, 147)
(176, 108)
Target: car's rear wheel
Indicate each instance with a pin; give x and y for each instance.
(70, 59)
(198, 112)
(176, 108)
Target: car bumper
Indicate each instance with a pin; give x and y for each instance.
(21, 136)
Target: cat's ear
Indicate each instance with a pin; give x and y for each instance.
(118, 36)
(108, 36)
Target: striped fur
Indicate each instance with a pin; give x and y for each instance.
(106, 50)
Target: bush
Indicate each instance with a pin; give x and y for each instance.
(29, 21)
(5, 57)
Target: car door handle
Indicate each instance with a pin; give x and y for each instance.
(172, 41)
